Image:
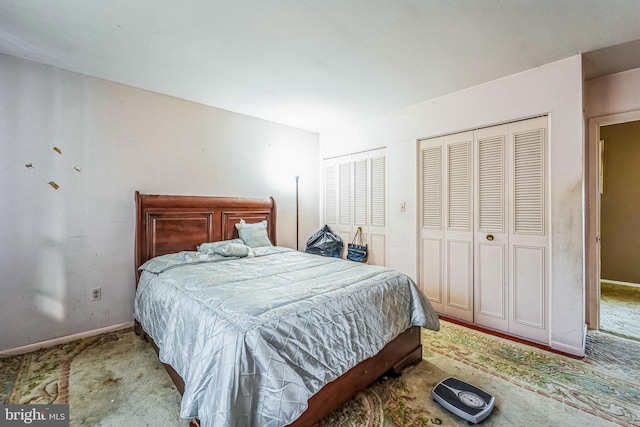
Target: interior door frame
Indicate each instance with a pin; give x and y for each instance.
(592, 241)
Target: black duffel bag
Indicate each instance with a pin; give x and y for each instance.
(325, 242)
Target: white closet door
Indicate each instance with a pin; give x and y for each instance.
(331, 194)
(360, 192)
(355, 196)
(458, 230)
(345, 200)
(491, 228)
(431, 221)
(484, 244)
(369, 202)
(361, 198)
(337, 195)
(529, 236)
(377, 218)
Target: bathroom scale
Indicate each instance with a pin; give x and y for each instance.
(463, 399)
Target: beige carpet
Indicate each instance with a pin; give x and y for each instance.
(116, 380)
(620, 310)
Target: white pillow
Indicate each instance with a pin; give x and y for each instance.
(210, 248)
(231, 249)
(254, 235)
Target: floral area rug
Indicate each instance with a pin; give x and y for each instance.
(115, 379)
(532, 387)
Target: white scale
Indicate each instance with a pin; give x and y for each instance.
(463, 399)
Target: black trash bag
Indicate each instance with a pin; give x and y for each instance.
(325, 242)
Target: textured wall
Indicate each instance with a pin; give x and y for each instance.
(97, 142)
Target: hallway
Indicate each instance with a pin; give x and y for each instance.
(620, 310)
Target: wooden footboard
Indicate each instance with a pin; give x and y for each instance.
(404, 350)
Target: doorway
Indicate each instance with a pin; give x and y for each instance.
(613, 297)
(620, 229)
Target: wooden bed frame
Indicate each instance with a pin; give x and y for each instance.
(167, 224)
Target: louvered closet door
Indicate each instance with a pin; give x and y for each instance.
(458, 226)
(369, 202)
(361, 197)
(345, 200)
(337, 195)
(446, 233)
(431, 221)
(529, 234)
(377, 212)
(484, 243)
(331, 194)
(355, 196)
(491, 228)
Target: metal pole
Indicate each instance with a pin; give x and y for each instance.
(297, 218)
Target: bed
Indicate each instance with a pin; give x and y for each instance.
(267, 336)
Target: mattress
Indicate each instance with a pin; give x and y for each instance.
(255, 337)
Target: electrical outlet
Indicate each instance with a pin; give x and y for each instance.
(96, 294)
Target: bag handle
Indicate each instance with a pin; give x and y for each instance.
(358, 239)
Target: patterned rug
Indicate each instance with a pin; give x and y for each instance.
(115, 379)
(532, 387)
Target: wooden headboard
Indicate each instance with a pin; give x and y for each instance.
(167, 224)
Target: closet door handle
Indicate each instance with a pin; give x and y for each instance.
(489, 237)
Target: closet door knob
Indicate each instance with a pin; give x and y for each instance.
(489, 237)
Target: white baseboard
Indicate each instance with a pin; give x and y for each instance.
(63, 340)
(569, 349)
(617, 282)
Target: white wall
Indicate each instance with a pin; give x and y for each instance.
(616, 93)
(554, 89)
(55, 245)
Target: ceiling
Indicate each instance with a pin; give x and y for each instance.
(316, 64)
